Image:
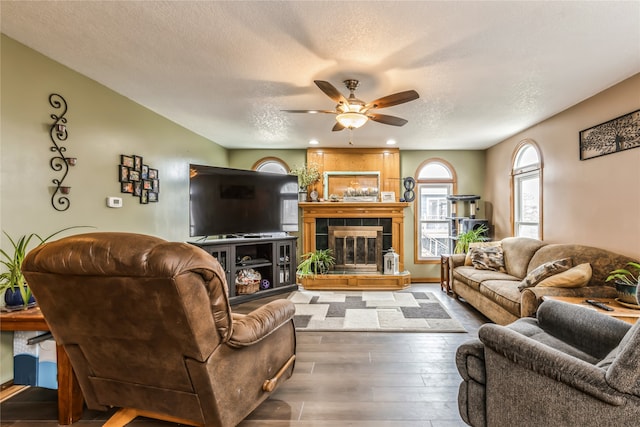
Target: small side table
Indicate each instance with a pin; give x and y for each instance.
(70, 400)
(445, 283)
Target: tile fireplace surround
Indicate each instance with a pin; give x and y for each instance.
(356, 280)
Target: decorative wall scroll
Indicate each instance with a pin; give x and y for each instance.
(619, 134)
(59, 162)
(138, 179)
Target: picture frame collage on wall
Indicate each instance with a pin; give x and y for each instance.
(138, 179)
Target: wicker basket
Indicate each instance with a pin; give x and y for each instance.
(247, 281)
(247, 288)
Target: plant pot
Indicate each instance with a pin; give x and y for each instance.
(302, 196)
(627, 293)
(13, 299)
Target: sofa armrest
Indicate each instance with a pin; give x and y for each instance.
(250, 328)
(456, 260)
(549, 362)
(532, 297)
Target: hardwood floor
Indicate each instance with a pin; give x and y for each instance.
(341, 379)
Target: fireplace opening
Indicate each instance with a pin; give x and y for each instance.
(356, 248)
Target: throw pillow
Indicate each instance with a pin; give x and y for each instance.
(467, 260)
(489, 258)
(545, 270)
(575, 277)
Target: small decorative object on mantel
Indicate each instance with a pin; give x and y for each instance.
(138, 179)
(619, 134)
(59, 162)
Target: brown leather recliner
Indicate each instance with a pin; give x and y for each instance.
(147, 327)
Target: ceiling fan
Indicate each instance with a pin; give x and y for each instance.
(352, 113)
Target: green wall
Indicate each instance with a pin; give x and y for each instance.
(102, 125)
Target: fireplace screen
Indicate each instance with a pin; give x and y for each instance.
(356, 248)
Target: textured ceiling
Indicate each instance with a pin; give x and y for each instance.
(225, 70)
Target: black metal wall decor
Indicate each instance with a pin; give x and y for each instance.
(138, 179)
(60, 162)
(409, 185)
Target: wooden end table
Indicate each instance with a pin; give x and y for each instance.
(621, 312)
(445, 280)
(70, 400)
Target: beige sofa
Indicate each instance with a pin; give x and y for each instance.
(497, 295)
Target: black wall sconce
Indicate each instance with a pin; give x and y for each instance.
(59, 162)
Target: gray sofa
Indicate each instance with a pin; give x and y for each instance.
(496, 294)
(571, 366)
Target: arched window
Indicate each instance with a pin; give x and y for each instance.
(435, 180)
(289, 192)
(526, 190)
(272, 165)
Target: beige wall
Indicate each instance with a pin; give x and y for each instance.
(593, 202)
(102, 125)
(469, 168)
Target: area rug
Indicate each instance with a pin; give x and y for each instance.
(371, 311)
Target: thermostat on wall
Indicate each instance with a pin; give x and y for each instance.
(114, 202)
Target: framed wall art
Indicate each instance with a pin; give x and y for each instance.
(138, 179)
(619, 134)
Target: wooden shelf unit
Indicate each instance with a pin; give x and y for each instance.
(273, 257)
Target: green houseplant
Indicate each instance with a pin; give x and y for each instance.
(627, 281)
(317, 262)
(471, 236)
(12, 281)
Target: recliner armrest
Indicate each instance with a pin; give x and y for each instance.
(250, 328)
(587, 329)
(544, 360)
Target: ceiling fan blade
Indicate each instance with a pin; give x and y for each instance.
(310, 111)
(387, 120)
(395, 99)
(331, 91)
(337, 127)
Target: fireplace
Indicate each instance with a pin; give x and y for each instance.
(356, 248)
(358, 233)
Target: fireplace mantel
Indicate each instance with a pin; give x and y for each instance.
(393, 210)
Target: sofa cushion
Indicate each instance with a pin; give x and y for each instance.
(503, 292)
(545, 270)
(488, 258)
(467, 259)
(472, 277)
(575, 277)
(518, 252)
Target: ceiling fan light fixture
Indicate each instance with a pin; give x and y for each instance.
(352, 119)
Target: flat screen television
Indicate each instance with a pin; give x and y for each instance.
(224, 201)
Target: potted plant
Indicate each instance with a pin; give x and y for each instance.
(471, 236)
(16, 291)
(317, 262)
(307, 175)
(627, 281)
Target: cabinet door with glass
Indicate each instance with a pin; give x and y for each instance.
(285, 252)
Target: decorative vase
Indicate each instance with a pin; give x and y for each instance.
(627, 293)
(302, 196)
(13, 299)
